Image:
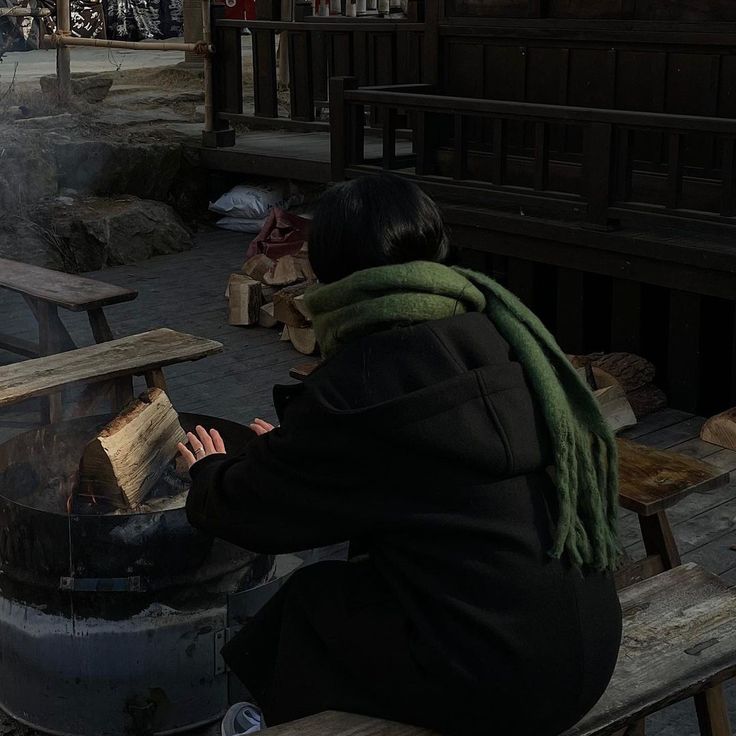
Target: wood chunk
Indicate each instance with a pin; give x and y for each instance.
(301, 305)
(305, 267)
(285, 273)
(303, 339)
(647, 400)
(245, 300)
(258, 267)
(285, 337)
(631, 371)
(612, 400)
(584, 367)
(286, 309)
(129, 455)
(615, 408)
(267, 318)
(721, 430)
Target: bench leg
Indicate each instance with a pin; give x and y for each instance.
(156, 379)
(53, 338)
(659, 540)
(710, 705)
(122, 387)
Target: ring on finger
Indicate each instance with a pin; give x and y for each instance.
(198, 450)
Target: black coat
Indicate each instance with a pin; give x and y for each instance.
(423, 446)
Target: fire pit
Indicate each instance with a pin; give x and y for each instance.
(111, 621)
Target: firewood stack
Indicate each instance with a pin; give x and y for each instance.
(619, 377)
(270, 293)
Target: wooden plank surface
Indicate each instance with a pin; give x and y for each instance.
(679, 633)
(76, 293)
(652, 480)
(132, 355)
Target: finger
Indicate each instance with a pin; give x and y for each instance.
(189, 459)
(217, 441)
(258, 429)
(261, 423)
(205, 439)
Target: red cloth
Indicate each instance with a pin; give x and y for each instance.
(282, 234)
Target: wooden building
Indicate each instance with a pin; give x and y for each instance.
(584, 153)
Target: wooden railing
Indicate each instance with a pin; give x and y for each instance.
(374, 51)
(463, 147)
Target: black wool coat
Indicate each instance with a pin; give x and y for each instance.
(424, 447)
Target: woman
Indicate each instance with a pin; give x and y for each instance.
(448, 438)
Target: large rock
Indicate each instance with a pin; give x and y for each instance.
(27, 173)
(98, 232)
(104, 168)
(85, 85)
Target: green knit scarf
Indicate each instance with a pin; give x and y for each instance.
(584, 449)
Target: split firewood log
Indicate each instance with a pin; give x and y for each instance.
(305, 267)
(128, 456)
(631, 371)
(647, 400)
(267, 318)
(258, 266)
(303, 339)
(246, 298)
(287, 306)
(612, 400)
(721, 430)
(285, 273)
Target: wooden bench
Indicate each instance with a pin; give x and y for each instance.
(45, 291)
(679, 639)
(145, 354)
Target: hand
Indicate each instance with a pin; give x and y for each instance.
(203, 443)
(260, 427)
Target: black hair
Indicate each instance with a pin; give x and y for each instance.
(374, 221)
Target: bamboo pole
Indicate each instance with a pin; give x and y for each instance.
(63, 61)
(24, 12)
(209, 112)
(61, 41)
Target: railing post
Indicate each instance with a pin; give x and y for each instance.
(728, 178)
(264, 73)
(301, 88)
(342, 126)
(597, 171)
(227, 80)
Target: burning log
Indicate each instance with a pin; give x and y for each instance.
(126, 459)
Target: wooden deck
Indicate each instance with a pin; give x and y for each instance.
(185, 292)
(284, 154)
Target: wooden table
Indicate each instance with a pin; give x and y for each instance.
(650, 482)
(45, 291)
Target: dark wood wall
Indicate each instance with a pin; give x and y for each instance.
(653, 10)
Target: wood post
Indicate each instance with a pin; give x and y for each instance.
(226, 73)
(264, 73)
(597, 171)
(63, 59)
(659, 540)
(301, 77)
(341, 127)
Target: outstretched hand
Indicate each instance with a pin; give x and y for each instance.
(202, 444)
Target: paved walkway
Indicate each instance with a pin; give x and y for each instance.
(186, 292)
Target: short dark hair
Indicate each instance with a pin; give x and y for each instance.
(374, 221)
